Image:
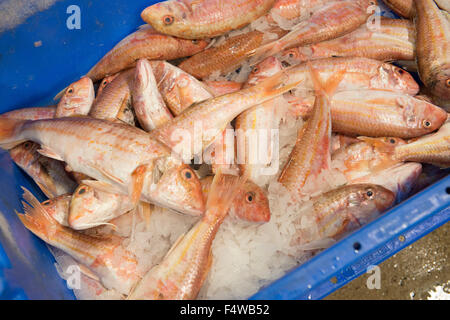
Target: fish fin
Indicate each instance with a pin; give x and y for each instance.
(175, 245)
(145, 211)
(49, 153)
(107, 174)
(267, 50)
(223, 190)
(36, 219)
(60, 94)
(329, 87)
(88, 272)
(137, 181)
(48, 193)
(102, 186)
(8, 133)
(275, 85)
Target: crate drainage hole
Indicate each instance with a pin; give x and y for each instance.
(447, 190)
(333, 280)
(357, 246)
(402, 238)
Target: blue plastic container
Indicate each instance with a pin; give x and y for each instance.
(41, 56)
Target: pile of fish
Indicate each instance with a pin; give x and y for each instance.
(277, 125)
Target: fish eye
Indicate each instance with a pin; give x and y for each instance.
(27, 145)
(168, 20)
(250, 197)
(255, 70)
(70, 90)
(426, 123)
(187, 174)
(46, 203)
(195, 42)
(82, 190)
(447, 83)
(369, 194)
(392, 140)
(400, 71)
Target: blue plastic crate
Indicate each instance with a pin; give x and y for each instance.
(41, 56)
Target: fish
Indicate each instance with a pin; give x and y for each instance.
(366, 157)
(339, 141)
(97, 148)
(143, 43)
(250, 203)
(211, 117)
(404, 8)
(58, 208)
(115, 99)
(255, 126)
(107, 80)
(377, 113)
(90, 288)
(394, 40)
(33, 113)
(361, 73)
(77, 99)
(193, 19)
(293, 10)
(433, 48)
(219, 88)
(178, 88)
(400, 179)
(227, 56)
(311, 153)
(444, 5)
(332, 20)
(182, 272)
(149, 106)
(90, 208)
(49, 174)
(433, 148)
(106, 257)
(340, 211)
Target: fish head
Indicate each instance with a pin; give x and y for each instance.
(77, 99)
(366, 4)
(393, 78)
(384, 145)
(168, 17)
(25, 154)
(422, 115)
(105, 82)
(369, 201)
(179, 189)
(295, 56)
(441, 83)
(263, 70)
(250, 204)
(83, 205)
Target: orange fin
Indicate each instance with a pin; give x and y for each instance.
(9, 129)
(36, 219)
(145, 211)
(329, 87)
(223, 190)
(49, 153)
(137, 181)
(107, 174)
(48, 193)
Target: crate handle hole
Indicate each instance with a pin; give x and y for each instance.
(447, 190)
(357, 246)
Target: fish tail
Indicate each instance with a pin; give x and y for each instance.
(9, 133)
(260, 53)
(277, 84)
(223, 190)
(330, 86)
(36, 219)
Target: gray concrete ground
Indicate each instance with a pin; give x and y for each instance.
(420, 271)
